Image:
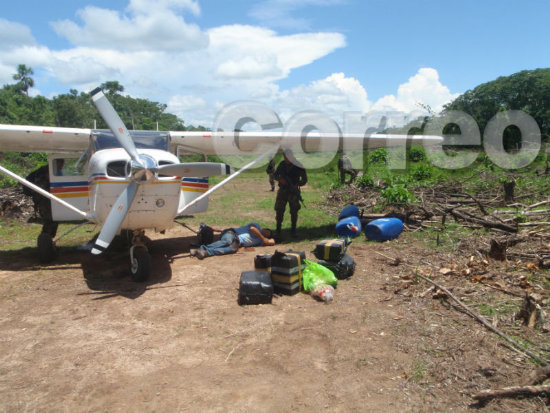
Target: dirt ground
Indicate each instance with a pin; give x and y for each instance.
(79, 335)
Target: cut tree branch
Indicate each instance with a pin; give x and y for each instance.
(514, 391)
(466, 216)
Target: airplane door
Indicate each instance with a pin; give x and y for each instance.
(68, 181)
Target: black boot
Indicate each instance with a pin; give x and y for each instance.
(279, 218)
(293, 220)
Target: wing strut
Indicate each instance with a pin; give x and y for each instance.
(229, 178)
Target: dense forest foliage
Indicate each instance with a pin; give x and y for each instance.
(76, 110)
(528, 90)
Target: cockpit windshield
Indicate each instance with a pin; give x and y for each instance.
(104, 139)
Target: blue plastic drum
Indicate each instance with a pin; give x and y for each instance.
(349, 211)
(348, 227)
(383, 229)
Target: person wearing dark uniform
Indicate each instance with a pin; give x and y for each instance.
(291, 175)
(345, 168)
(42, 205)
(270, 170)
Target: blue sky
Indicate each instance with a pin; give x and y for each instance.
(328, 55)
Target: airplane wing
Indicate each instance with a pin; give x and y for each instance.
(22, 138)
(235, 143)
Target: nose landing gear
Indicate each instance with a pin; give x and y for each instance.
(140, 260)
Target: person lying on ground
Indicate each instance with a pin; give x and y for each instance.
(231, 239)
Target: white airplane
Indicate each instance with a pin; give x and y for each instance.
(133, 180)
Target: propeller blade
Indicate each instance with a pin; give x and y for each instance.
(115, 218)
(114, 122)
(195, 169)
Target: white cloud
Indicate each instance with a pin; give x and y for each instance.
(14, 34)
(249, 67)
(244, 51)
(424, 87)
(278, 13)
(6, 73)
(157, 27)
(194, 110)
(145, 6)
(333, 95)
(181, 103)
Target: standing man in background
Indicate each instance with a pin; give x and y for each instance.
(345, 168)
(291, 175)
(270, 170)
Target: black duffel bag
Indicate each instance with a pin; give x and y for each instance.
(205, 234)
(342, 269)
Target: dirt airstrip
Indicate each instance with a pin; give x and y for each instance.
(79, 335)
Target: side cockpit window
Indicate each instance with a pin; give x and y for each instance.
(117, 169)
(67, 167)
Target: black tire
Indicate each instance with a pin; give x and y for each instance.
(46, 248)
(140, 268)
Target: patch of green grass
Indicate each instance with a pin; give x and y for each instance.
(442, 240)
(16, 237)
(491, 308)
(418, 371)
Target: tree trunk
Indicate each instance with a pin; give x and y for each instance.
(498, 250)
(509, 190)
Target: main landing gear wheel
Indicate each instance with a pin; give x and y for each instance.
(46, 248)
(140, 263)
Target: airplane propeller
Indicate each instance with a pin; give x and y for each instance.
(113, 121)
(195, 169)
(115, 218)
(144, 168)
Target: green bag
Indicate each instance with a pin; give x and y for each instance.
(315, 274)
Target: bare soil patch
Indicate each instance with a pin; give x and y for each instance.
(79, 335)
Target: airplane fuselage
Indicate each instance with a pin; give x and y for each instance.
(155, 205)
(107, 174)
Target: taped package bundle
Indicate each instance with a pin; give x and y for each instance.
(286, 271)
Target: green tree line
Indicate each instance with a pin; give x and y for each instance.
(76, 110)
(527, 91)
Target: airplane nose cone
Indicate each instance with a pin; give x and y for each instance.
(146, 170)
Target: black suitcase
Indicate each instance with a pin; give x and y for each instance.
(255, 287)
(341, 269)
(330, 249)
(288, 262)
